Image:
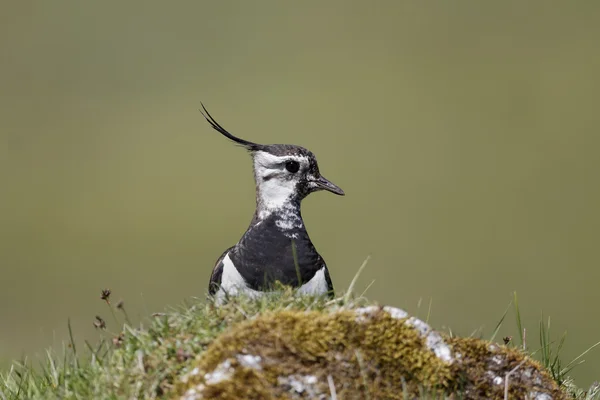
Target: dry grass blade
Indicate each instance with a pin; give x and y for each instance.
(363, 373)
(367, 288)
(570, 365)
(355, 279)
(331, 387)
(507, 376)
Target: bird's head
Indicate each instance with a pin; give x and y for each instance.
(284, 174)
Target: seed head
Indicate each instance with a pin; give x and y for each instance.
(118, 340)
(105, 294)
(99, 323)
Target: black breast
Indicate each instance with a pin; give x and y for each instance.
(265, 255)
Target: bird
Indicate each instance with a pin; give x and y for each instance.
(276, 246)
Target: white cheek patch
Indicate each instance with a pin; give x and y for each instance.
(275, 191)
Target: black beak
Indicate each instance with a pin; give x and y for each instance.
(324, 184)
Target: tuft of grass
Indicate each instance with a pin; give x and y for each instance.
(147, 361)
(355, 279)
(549, 353)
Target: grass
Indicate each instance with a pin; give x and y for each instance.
(140, 361)
(148, 361)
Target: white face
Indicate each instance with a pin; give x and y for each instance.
(277, 185)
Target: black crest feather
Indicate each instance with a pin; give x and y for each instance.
(216, 126)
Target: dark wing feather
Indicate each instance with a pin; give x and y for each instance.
(217, 273)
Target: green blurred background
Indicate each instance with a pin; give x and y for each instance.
(465, 136)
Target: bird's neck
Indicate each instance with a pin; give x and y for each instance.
(278, 209)
(285, 211)
(276, 197)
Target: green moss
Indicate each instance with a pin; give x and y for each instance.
(479, 362)
(374, 357)
(378, 357)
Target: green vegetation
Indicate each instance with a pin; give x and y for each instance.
(384, 356)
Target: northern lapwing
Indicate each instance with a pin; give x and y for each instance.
(276, 245)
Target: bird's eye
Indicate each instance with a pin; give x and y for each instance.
(292, 166)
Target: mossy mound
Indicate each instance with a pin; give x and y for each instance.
(370, 352)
